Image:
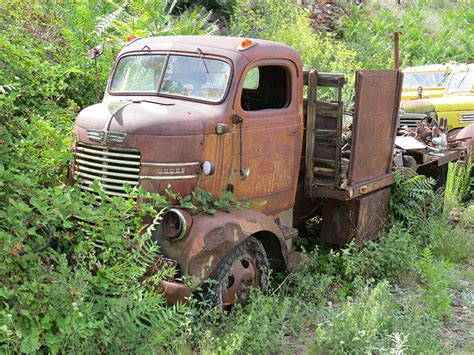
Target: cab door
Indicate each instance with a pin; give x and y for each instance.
(266, 135)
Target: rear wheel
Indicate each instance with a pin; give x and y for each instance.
(243, 268)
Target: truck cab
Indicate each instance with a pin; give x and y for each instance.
(425, 81)
(457, 103)
(229, 114)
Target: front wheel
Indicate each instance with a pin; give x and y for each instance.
(244, 267)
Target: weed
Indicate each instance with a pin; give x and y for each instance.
(435, 283)
(458, 184)
(359, 325)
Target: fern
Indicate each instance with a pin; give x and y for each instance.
(411, 196)
(142, 323)
(107, 21)
(458, 184)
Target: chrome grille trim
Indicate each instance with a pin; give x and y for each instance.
(112, 167)
(97, 165)
(108, 192)
(409, 123)
(167, 165)
(175, 177)
(107, 152)
(107, 160)
(466, 117)
(105, 186)
(105, 136)
(93, 177)
(107, 172)
(410, 119)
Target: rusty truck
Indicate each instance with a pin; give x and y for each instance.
(240, 115)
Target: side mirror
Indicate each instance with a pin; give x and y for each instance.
(94, 53)
(97, 51)
(420, 92)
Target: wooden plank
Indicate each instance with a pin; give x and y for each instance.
(331, 79)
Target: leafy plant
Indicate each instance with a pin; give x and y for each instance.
(359, 325)
(435, 280)
(286, 22)
(459, 184)
(205, 201)
(411, 197)
(431, 32)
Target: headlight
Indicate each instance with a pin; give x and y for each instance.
(176, 224)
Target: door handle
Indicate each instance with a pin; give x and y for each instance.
(244, 172)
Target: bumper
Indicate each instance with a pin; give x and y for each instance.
(174, 291)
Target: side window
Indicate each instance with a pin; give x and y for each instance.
(266, 87)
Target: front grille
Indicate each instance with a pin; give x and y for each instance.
(112, 167)
(410, 119)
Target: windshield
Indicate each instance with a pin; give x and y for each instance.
(425, 80)
(138, 74)
(461, 82)
(194, 77)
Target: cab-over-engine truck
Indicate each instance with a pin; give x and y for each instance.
(222, 113)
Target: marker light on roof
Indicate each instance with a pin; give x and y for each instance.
(131, 38)
(246, 44)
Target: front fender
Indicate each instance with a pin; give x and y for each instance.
(211, 237)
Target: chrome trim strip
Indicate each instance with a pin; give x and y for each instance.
(110, 154)
(102, 166)
(106, 172)
(106, 136)
(466, 117)
(100, 178)
(101, 147)
(177, 177)
(82, 187)
(93, 157)
(194, 163)
(105, 186)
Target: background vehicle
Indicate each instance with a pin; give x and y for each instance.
(457, 104)
(426, 81)
(223, 113)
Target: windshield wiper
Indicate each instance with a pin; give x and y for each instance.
(201, 55)
(151, 102)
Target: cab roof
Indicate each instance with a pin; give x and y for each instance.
(464, 67)
(431, 68)
(216, 45)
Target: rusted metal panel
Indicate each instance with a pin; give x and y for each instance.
(211, 237)
(310, 126)
(362, 218)
(356, 190)
(375, 121)
(268, 143)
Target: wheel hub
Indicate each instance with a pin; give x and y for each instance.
(243, 275)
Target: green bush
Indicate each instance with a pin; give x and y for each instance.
(358, 326)
(72, 269)
(393, 257)
(431, 31)
(412, 198)
(284, 21)
(459, 184)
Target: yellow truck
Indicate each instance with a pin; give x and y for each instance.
(426, 81)
(457, 104)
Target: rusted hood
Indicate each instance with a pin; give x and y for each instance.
(141, 117)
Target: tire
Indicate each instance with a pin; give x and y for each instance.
(243, 267)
